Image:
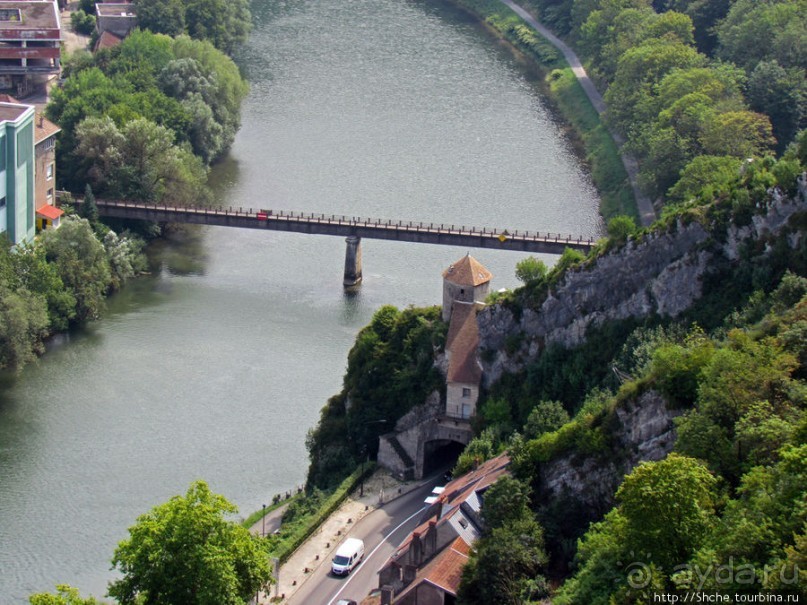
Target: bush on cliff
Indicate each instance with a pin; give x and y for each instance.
(390, 370)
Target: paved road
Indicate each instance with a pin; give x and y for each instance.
(382, 531)
(644, 204)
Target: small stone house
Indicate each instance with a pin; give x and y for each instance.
(45, 131)
(118, 18)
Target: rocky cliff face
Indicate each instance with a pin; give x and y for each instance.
(645, 432)
(662, 274)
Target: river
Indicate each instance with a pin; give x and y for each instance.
(217, 364)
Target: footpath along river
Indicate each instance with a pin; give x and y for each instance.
(216, 365)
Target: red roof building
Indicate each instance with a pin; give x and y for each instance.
(427, 567)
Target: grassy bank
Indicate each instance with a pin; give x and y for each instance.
(569, 100)
(277, 502)
(308, 511)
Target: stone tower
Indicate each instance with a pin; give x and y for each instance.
(464, 281)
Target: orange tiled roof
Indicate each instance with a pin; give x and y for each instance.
(467, 272)
(445, 570)
(48, 211)
(107, 40)
(44, 128)
(458, 490)
(462, 342)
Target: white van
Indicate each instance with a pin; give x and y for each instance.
(347, 556)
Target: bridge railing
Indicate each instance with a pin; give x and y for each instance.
(355, 221)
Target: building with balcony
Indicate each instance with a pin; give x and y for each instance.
(17, 172)
(30, 36)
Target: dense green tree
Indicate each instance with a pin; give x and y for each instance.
(612, 28)
(531, 269)
(99, 148)
(762, 31)
(89, 209)
(507, 562)
(161, 16)
(780, 94)
(186, 551)
(225, 23)
(705, 175)
(140, 161)
(668, 508)
(665, 513)
(390, 370)
(630, 96)
(620, 228)
(81, 262)
(546, 417)
(741, 134)
(33, 272)
(481, 448)
(82, 23)
(506, 502)
(23, 324)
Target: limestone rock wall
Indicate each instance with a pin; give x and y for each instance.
(647, 432)
(661, 274)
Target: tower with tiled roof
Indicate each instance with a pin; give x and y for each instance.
(467, 281)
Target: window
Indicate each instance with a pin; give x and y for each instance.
(2, 202)
(49, 143)
(50, 194)
(466, 392)
(9, 14)
(49, 172)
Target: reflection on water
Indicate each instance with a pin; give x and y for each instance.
(217, 364)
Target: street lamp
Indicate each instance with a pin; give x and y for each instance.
(263, 523)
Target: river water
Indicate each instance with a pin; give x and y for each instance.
(216, 365)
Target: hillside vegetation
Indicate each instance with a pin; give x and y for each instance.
(724, 486)
(694, 87)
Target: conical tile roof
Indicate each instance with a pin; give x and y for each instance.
(467, 272)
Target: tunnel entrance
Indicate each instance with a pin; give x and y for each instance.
(439, 454)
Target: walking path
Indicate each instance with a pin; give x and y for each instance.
(378, 489)
(643, 203)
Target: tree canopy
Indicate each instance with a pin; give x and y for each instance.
(189, 91)
(223, 23)
(186, 551)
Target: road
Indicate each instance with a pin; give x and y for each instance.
(644, 204)
(382, 531)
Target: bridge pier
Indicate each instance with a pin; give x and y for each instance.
(352, 262)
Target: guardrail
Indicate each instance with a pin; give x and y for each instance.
(279, 216)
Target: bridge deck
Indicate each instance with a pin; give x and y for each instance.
(312, 223)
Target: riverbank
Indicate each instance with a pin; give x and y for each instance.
(564, 90)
